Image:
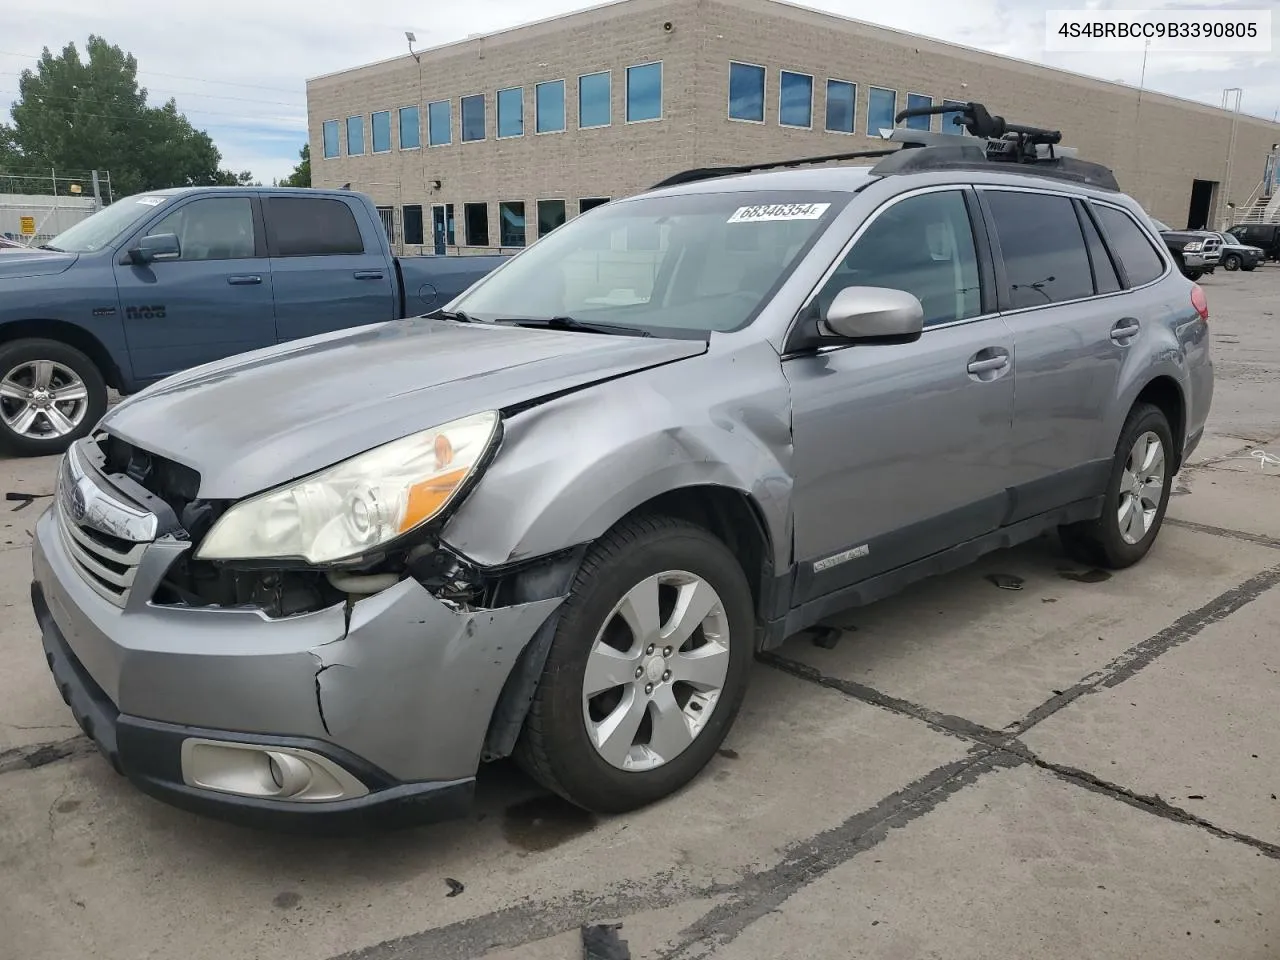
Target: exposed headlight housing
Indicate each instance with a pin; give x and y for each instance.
(358, 505)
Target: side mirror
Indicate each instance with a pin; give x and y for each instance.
(875, 313)
(158, 246)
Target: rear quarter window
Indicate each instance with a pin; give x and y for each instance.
(311, 227)
(1136, 253)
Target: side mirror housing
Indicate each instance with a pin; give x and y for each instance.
(874, 314)
(158, 246)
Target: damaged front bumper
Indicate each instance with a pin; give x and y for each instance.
(341, 714)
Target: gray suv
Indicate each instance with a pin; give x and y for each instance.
(324, 582)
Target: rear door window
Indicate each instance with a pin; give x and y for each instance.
(1137, 255)
(1042, 246)
(311, 227)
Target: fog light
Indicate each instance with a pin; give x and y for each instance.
(269, 773)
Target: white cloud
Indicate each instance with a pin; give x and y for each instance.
(240, 70)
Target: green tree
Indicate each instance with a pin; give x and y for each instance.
(301, 176)
(78, 115)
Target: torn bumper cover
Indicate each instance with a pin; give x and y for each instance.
(305, 718)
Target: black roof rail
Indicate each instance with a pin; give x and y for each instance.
(708, 173)
(1033, 151)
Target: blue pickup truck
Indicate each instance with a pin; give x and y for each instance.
(160, 282)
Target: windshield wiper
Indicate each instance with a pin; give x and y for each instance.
(573, 323)
(457, 315)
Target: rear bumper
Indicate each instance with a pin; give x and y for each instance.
(149, 754)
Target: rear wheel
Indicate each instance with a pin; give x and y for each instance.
(51, 395)
(647, 668)
(1136, 499)
(1231, 262)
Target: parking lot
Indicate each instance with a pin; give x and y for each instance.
(1087, 765)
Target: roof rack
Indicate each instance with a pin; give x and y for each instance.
(993, 140)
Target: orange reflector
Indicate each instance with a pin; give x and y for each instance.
(426, 498)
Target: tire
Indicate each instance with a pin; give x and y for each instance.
(27, 426)
(1103, 542)
(557, 747)
(1231, 262)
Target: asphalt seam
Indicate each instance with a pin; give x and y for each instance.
(38, 754)
(1225, 533)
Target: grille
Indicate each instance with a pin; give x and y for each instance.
(107, 564)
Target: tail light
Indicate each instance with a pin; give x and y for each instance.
(1200, 301)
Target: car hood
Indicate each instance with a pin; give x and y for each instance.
(263, 418)
(34, 263)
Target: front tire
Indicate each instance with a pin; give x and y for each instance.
(1136, 499)
(647, 668)
(51, 395)
(1231, 262)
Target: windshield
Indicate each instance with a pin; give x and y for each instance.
(672, 266)
(97, 231)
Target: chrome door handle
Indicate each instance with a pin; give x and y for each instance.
(243, 281)
(993, 363)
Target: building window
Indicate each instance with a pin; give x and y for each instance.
(550, 216)
(795, 99)
(593, 100)
(549, 102)
(590, 203)
(511, 223)
(644, 92)
(410, 131)
(439, 123)
(951, 121)
(476, 221)
(381, 123)
(355, 136)
(332, 135)
(841, 99)
(882, 104)
(511, 112)
(746, 92)
(412, 217)
(472, 110)
(915, 101)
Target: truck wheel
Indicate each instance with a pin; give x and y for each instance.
(1136, 499)
(51, 395)
(647, 668)
(1231, 262)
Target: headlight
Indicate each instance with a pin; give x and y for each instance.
(1193, 246)
(359, 504)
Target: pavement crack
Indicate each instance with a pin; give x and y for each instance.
(1224, 532)
(1152, 804)
(942, 722)
(37, 755)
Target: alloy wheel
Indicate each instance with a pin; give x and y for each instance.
(1141, 488)
(656, 671)
(42, 399)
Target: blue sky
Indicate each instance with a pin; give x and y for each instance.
(240, 72)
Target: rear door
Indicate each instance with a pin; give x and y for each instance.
(329, 266)
(213, 302)
(1072, 326)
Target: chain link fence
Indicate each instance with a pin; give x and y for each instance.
(36, 208)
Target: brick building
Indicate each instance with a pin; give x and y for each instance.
(484, 144)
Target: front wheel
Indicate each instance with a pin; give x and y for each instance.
(1231, 262)
(51, 395)
(1136, 499)
(646, 671)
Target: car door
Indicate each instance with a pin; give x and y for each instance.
(900, 449)
(1072, 332)
(211, 302)
(330, 271)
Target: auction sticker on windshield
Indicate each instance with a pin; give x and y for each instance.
(779, 211)
(151, 201)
